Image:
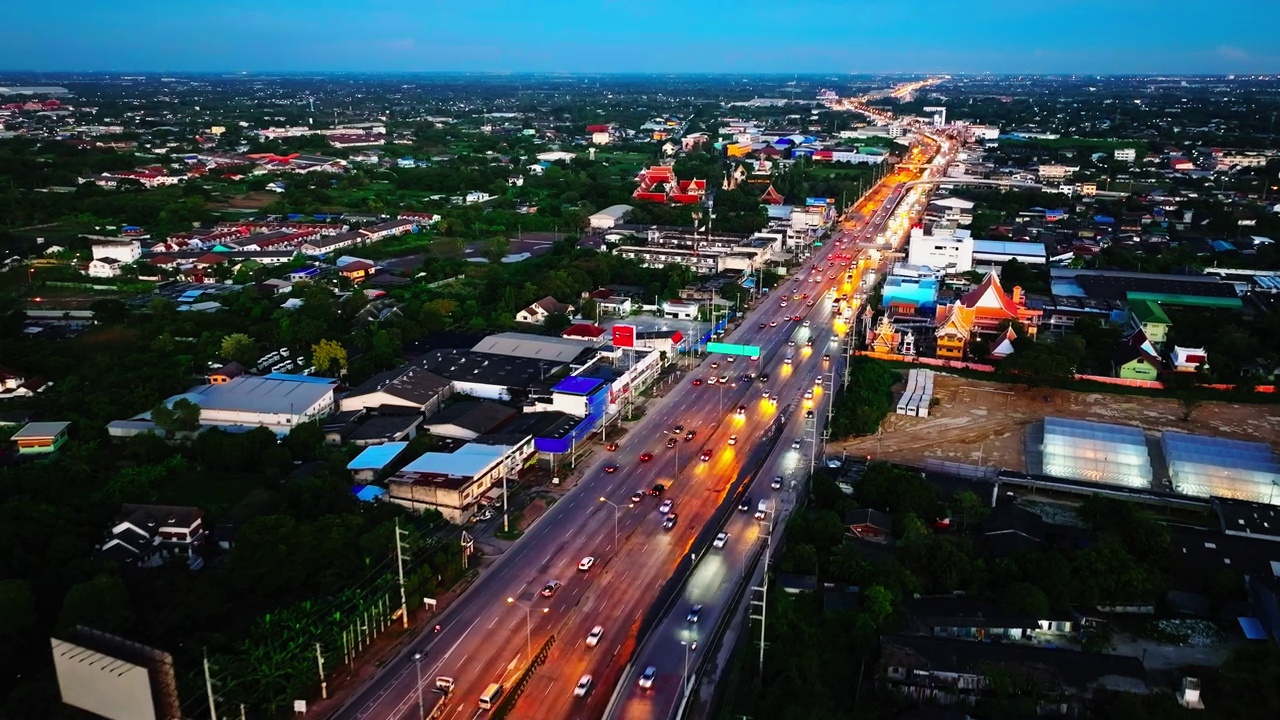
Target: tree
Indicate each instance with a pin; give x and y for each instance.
(971, 508)
(556, 323)
(329, 357)
(496, 248)
(240, 348)
(1044, 363)
(182, 415)
(101, 603)
(17, 609)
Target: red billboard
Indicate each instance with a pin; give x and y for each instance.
(624, 336)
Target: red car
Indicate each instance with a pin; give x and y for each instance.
(795, 318)
(706, 455)
(611, 446)
(646, 456)
(611, 469)
(697, 382)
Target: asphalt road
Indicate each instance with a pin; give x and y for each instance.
(673, 647)
(485, 638)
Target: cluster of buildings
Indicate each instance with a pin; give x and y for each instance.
(268, 242)
(497, 408)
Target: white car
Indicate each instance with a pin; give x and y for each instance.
(586, 563)
(721, 539)
(733, 439)
(584, 684)
(593, 638)
(666, 506)
(806, 323)
(646, 677)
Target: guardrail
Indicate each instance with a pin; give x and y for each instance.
(720, 628)
(508, 701)
(671, 590)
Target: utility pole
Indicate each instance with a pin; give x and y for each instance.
(208, 688)
(324, 685)
(404, 605)
(510, 472)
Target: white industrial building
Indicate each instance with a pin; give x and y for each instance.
(126, 251)
(952, 252)
(609, 217)
(278, 403)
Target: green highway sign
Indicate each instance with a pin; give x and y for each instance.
(731, 349)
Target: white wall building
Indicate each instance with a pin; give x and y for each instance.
(953, 253)
(105, 267)
(125, 251)
(1126, 154)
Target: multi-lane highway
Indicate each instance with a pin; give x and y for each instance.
(488, 635)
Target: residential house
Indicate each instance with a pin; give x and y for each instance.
(40, 438)
(357, 272)
(615, 305)
(1150, 318)
(944, 671)
(226, 373)
(970, 618)
(15, 385)
(105, 267)
(537, 313)
(868, 524)
(151, 535)
(586, 332)
(1134, 363)
(1188, 359)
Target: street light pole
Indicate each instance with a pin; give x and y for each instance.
(528, 625)
(688, 646)
(617, 510)
(417, 666)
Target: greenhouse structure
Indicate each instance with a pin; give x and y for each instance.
(1220, 467)
(1096, 452)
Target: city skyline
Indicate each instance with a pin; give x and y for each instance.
(590, 36)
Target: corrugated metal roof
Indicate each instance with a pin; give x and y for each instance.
(377, 457)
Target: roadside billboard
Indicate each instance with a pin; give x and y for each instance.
(624, 336)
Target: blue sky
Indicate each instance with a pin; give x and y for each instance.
(827, 36)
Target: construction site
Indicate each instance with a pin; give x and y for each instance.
(1003, 426)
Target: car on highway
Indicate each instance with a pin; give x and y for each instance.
(764, 377)
(485, 514)
(646, 456)
(637, 496)
(671, 442)
(731, 358)
(773, 323)
(611, 446)
(808, 394)
(808, 414)
(805, 323)
(694, 613)
(742, 409)
(715, 365)
(796, 318)
(764, 394)
(810, 303)
(706, 455)
(826, 358)
(724, 379)
(593, 637)
(611, 469)
(688, 437)
(697, 382)
(782, 304)
(745, 505)
(777, 482)
(586, 563)
(808, 343)
(584, 684)
(670, 522)
(733, 439)
(721, 540)
(550, 588)
(817, 381)
(763, 325)
(711, 380)
(665, 507)
(646, 677)
(657, 489)
(795, 444)
(762, 509)
(791, 343)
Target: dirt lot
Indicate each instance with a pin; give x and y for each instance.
(248, 201)
(985, 422)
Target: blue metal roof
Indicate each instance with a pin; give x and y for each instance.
(369, 493)
(1001, 247)
(575, 385)
(312, 379)
(376, 457)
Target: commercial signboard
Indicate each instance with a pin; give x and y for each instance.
(731, 349)
(624, 336)
(819, 202)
